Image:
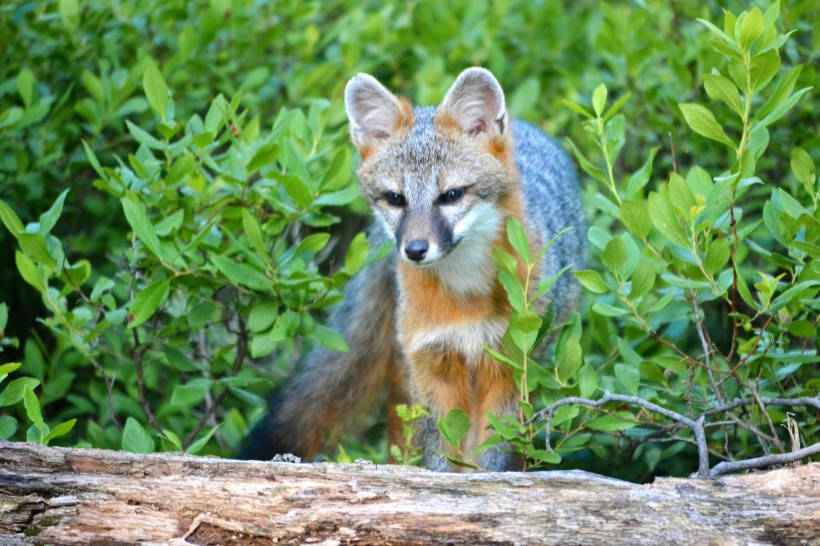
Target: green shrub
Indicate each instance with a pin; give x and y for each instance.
(706, 293)
(189, 243)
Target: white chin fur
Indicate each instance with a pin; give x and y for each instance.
(468, 269)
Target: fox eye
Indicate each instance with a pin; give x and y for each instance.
(395, 199)
(451, 196)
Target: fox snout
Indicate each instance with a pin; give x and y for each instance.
(416, 250)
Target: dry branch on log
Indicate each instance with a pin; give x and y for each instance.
(70, 496)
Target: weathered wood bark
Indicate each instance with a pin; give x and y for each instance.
(69, 496)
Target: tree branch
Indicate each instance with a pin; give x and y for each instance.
(763, 462)
(698, 426)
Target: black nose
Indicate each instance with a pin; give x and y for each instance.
(416, 250)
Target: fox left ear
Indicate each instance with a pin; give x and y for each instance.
(375, 114)
(476, 103)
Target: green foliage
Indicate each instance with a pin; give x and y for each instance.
(155, 231)
(716, 244)
(220, 216)
(408, 453)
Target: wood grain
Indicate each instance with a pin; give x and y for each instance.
(70, 496)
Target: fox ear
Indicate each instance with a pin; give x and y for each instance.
(374, 112)
(476, 103)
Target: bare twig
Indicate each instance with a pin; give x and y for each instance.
(802, 401)
(707, 347)
(698, 425)
(695, 425)
(239, 359)
(763, 462)
(109, 387)
(137, 354)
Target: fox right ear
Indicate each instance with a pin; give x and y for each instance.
(475, 102)
(375, 113)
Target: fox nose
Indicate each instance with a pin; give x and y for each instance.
(416, 250)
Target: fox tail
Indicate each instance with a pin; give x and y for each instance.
(331, 389)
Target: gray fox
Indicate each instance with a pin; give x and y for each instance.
(441, 182)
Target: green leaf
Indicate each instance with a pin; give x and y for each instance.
(32, 405)
(640, 177)
(338, 174)
(781, 92)
(722, 89)
(28, 270)
(61, 430)
(312, 243)
(147, 301)
(197, 446)
(518, 239)
(577, 108)
(9, 367)
(525, 97)
(181, 168)
(792, 294)
(454, 427)
(643, 279)
(722, 35)
(330, 338)
(621, 420)
(13, 392)
(614, 257)
(592, 281)
(95, 163)
(296, 189)
(680, 196)
(254, 233)
(587, 166)
(599, 99)
(190, 393)
(69, 14)
(49, 218)
(665, 219)
(607, 310)
(143, 137)
(8, 426)
(717, 256)
(635, 216)
(10, 219)
(703, 122)
(263, 157)
(156, 90)
(135, 439)
(570, 361)
(728, 50)
(781, 109)
(629, 377)
(262, 315)
(764, 68)
(141, 224)
(242, 274)
(804, 169)
(25, 86)
(615, 108)
(35, 247)
(515, 293)
(743, 290)
(750, 28)
(357, 254)
(587, 380)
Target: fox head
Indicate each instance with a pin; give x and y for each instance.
(436, 177)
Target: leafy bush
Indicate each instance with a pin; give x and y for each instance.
(677, 261)
(197, 246)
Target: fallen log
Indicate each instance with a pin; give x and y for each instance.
(89, 496)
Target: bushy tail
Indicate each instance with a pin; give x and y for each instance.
(330, 389)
